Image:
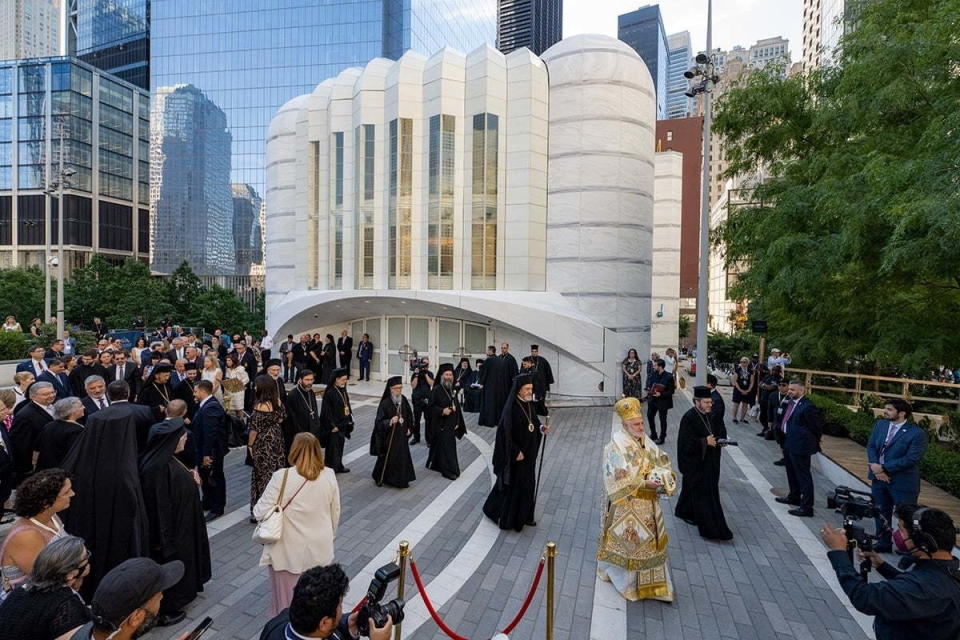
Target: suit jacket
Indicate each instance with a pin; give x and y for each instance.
(90, 405)
(804, 428)
(901, 458)
(365, 350)
(173, 356)
(60, 382)
(665, 400)
(128, 375)
(25, 433)
(345, 345)
(27, 365)
(208, 429)
(248, 362)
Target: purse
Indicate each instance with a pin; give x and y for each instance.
(270, 528)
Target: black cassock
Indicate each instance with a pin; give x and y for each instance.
(492, 396)
(302, 415)
(539, 390)
(335, 413)
(155, 395)
(699, 501)
(107, 511)
(184, 391)
(389, 444)
(512, 500)
(542, 365)
(446, 430)
(471, 395)
(177, 528)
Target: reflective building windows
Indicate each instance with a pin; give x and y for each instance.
(336, 226)
(400, 205)
(114, 35)
(364, 145)
(484, 206)
(440, 203)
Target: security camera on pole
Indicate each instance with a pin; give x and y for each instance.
(704, 79)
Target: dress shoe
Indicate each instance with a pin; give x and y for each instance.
(781, 462)
(769, 436)
(735, 421)
(790, 501)
(211, 516)
(343, 470)
(531, 523)
(170, 619)
(415, 441)
(801, 513)
(660, 441)
(762, 434)
(253, 520)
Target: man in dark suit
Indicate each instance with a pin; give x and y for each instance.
(345, 350)
(55, 350)
(287, 359)
(660, 399)
(208, 433)
(123, 369)
(246, 358)
(56, 375)
(99, 329)
(802, 429)
(651, 365)
(894, 452)
(719, 409)
(35, 364)
(96, 396)
(776, 404)
(27, 426)
(178, 352)
(364, 355)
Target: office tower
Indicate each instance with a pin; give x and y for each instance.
(105, 132)
(643, 30)
(824, 23)
(29, 28)
(247, 230)
(534, 24)
(190, 199)
(114, 35)
(679, 61)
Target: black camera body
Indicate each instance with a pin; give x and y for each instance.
(373, 608)
(855, 506)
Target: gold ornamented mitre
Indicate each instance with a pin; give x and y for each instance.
(628, 409)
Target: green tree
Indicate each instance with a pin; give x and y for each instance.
(183, 287)
(683, 326)
(852, 243)
(220, 308)
(120, 295)
(21, 294)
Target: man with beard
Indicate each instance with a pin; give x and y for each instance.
(302, 412)
(388, 442)
(471, 388)
(422, 383)
(509, 368)
(447, 425)
(698, 458)
(184, 390)
(108, 511)
(156, 392)
(528, 366)
(345, 350)
(301, 354)
(541, 365)
(273, 369)
(177, 528)
(512, 500)
(492, 397)
(336, 420)
(81, 372)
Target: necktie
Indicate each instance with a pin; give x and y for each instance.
(119, 373)
(103, 403)
(786, 416)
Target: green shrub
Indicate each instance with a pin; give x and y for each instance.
(13, 345)
(941, 467)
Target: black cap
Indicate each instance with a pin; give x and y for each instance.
(701, 391)
(446, 366)
(534, 347)
(394, 381)
(273, 362)
(190, 366)
(131, 584)
(339, 372)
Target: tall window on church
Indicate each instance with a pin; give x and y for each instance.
(336, 189)
(399, 207)
(364, 139)
(440, 205)
(484, 202)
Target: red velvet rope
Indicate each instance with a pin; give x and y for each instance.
(447, 630)
(360, 604)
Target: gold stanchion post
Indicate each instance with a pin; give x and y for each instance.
(404, 557)
(551, 577)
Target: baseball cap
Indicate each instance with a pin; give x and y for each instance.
(131, 584)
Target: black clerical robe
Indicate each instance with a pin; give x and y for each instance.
(177, 530)
(389, 444)
(542, 365)
(55, 441)
(335, 413)
(184, 391)
(446, 429)
(302, 414)
(107, 511)
(539, 390)
(155, 395)
(492, 395)
(471, 395)
(699, 501)
(512, 500)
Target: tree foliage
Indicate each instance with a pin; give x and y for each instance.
(851, 244)
(21, 294)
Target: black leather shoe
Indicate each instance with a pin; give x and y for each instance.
(769, 436)
(795, 503)
(531, 523)
(415, 441)
(170, 619)
(343, 470)
(801, 513)
(762, 434)
(781, 462)
(252, 520)
(211, 516)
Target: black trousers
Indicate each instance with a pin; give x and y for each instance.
(214, 486)
(652, 412)
(289, 372)
(333, 454)
(800, 479)
(419, 410)
(365, 369)
(345, 363)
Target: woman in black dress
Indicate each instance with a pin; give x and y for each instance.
(632, 384)
(329, 358)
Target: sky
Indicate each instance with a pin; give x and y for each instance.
(735, 22)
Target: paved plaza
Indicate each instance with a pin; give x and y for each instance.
(768, 583)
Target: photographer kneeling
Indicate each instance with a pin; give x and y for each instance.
(923, 602)
(316, 610)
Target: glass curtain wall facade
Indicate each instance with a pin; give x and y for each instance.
(114, 35)
(364, 144)
(534, 24)
(486, 130)
(336, 206)
(103, 124)
(400, 204)
(440, 203)
(643, 30)
(680, 59)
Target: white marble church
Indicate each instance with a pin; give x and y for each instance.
(447, 203)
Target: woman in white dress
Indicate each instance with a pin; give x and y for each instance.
(235, 385)
(211, 371)
(11, 324)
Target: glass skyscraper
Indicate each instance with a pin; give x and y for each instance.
(534, 24)
(680, 59)
(114, 35)
(643, 30)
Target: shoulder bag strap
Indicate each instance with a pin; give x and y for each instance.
(294, 495)
(283, 485)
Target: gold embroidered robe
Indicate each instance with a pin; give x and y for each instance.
(632, 551)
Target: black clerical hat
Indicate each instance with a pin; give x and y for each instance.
(162, 366)
(522, 379)
(304, 372)
(273, 362)
(534, 347)
(701, 391)
(190, 366)
(446, 366)
(394, 381)
(339, 372)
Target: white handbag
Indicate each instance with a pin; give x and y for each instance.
(270, 528)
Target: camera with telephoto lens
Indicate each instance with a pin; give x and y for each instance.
(855, 506)
(372, 608)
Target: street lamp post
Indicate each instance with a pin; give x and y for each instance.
(63, 179)
(704, 70)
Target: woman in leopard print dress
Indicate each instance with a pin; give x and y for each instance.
(265, 441)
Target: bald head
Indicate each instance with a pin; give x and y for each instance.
(176, 409)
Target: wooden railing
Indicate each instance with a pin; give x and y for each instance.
(859, 388)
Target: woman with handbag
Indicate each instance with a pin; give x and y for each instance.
(297, 516)
(265, 440)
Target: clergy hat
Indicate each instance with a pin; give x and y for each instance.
(534, 347)
(131, 584)
(446, 366)
(628, 408)
(522, 379)
(701, 391)
(528, 359)
(273, 362)
(339, 372)
(162, 366)
(394, 381)
(190, 366)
